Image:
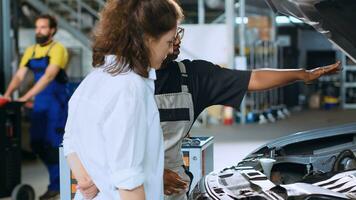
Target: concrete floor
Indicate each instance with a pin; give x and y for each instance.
(231, 143)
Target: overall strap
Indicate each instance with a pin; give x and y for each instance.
(34, 51)
(50, 47)
(184, 77)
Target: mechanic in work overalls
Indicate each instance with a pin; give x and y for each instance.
(47, 60)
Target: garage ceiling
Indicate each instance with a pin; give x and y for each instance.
(215, 8)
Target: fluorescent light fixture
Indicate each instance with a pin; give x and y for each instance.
(287, 20)
(238, 20)
(282, 20)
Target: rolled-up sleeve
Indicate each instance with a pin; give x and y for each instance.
(125, 132)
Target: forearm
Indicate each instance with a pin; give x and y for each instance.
(14, 84)
(85, 184)
(263, 79)
(135, 194)
(39, 86)
(78, 169)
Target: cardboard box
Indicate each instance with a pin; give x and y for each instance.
(265, 34)
(260, 22)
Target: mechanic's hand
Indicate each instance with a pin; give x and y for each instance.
(314, 74)
(7, 97)
(23, 99)
(88, 189)
(173, 183)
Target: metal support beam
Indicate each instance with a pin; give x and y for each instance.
(242, 52)
(273, 27)
(89, 9)
(242, 28)
(230, 24)
(201, 12)
(219, 19)
(274, 39)
(6, 41)
(101, 3)
(79, 14)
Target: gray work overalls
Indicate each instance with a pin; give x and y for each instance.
(175, 127)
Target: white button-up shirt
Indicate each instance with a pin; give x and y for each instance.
(113, 126)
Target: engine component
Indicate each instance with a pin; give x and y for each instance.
(247, 183)
(346, 160)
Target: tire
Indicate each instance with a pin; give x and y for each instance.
(23, 192)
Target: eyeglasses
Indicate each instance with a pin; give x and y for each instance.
(180, 33)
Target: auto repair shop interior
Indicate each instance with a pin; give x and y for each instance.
(297, 141)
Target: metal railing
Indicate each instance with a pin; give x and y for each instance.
(75, 16)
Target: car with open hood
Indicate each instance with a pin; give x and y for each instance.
(312, 165)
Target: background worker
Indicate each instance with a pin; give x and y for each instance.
(47, 59)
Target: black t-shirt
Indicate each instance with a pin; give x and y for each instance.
(209, 84)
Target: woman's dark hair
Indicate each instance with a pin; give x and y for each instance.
(52, 22)
(122, 27)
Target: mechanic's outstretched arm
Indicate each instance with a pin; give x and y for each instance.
(85, 184)
(263, 79)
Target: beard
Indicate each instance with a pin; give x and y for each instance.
(42, 39)
(170, 58)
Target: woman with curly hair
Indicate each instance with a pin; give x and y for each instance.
(113, 122)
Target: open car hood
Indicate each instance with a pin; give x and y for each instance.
(311, 139)
(335, 19)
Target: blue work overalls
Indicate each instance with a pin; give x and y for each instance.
(49, 116)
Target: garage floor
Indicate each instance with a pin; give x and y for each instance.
(231, 143)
